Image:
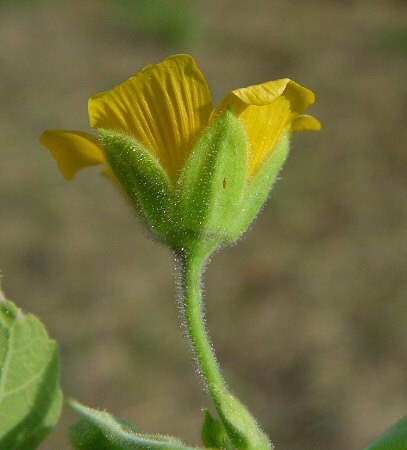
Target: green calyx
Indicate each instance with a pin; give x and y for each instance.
(212, 182)
(145, 182)
(259, 186)
(213, 202)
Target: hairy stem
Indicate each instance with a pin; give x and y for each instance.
(192, 263)
(240, 426)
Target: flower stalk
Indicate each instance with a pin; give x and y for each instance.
(191, 264)
(237, 427)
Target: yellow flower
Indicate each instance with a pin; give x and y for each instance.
(167, 106)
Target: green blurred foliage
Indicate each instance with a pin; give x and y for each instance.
(172, 21)
(394, 40)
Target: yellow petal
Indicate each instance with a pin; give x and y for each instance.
(73, 150)
(165, 107)
(305, 122)
(266, 110)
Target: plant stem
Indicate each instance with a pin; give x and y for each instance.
(240, 426)
(192, 262)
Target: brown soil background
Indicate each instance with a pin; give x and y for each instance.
(308, 312)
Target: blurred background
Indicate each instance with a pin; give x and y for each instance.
(308, 312)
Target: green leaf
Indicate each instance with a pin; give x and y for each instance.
(214, 434)
(394, 438)
(99, 430)
(30, 399)
(143, 179)
(242, 428)
(212, 182)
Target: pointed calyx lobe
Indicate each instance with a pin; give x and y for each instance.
(212, 183)
(143, 180)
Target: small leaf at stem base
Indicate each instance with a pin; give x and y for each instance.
(240, 425)
(99, 430)
(214, 434)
